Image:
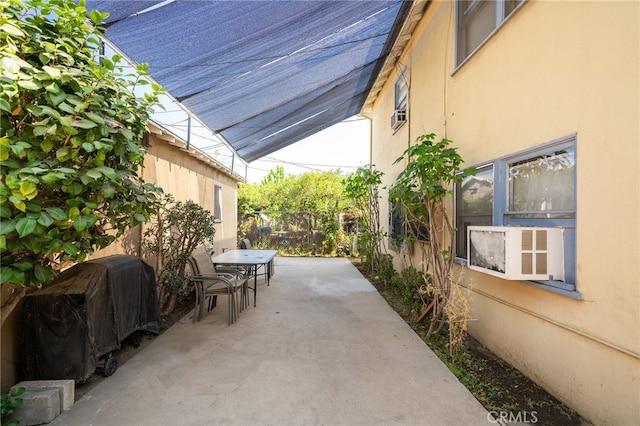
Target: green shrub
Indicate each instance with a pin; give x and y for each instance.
(177, 230)
(386, 272)
(9, 402)
(409, 285)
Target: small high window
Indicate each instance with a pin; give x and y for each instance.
(400, 102)
(401, 91)
(217, 204)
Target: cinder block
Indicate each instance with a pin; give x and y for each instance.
(38, 407)
(65, 387)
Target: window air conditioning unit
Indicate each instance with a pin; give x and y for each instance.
(398, 118)
(516, 253)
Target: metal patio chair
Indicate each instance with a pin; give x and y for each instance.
(209, 284)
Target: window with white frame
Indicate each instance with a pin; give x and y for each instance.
(401, 90)
(536, 187)
(476, 21)
(217, 204)
(400, 102)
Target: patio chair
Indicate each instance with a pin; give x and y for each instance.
(209, 284)
(235, 270)
(245, 244)
(238, 275)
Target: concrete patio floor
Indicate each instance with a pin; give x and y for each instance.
(322, 347)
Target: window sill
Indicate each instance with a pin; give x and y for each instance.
(552, 286)
(573, 294)
(397, 128)
(460, 261)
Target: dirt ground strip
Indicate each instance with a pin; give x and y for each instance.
(498, 386)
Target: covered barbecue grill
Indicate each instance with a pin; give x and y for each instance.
(72, 326)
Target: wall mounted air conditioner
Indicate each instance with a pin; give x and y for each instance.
(516, 253)
(398, 118)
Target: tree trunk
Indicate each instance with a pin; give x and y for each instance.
(171, 303)
(162, 297)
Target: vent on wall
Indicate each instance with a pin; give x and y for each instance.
(398, 118)
(516, 253)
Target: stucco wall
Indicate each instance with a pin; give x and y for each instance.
(186, 177)
(554, 69)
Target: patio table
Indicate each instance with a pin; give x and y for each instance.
(251, 258)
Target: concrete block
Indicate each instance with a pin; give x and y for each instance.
(66, 388)
(38, 407)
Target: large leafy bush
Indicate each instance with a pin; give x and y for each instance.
(70, 150)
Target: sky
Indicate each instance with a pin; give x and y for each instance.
(343, 146)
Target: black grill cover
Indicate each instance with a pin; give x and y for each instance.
(86, 313)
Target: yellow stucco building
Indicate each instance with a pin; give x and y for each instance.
(542, 97)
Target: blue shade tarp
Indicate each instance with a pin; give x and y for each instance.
(263, 74)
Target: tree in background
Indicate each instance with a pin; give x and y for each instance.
(254, 198)
(363, 188)
(70, 149)
(317, 198)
